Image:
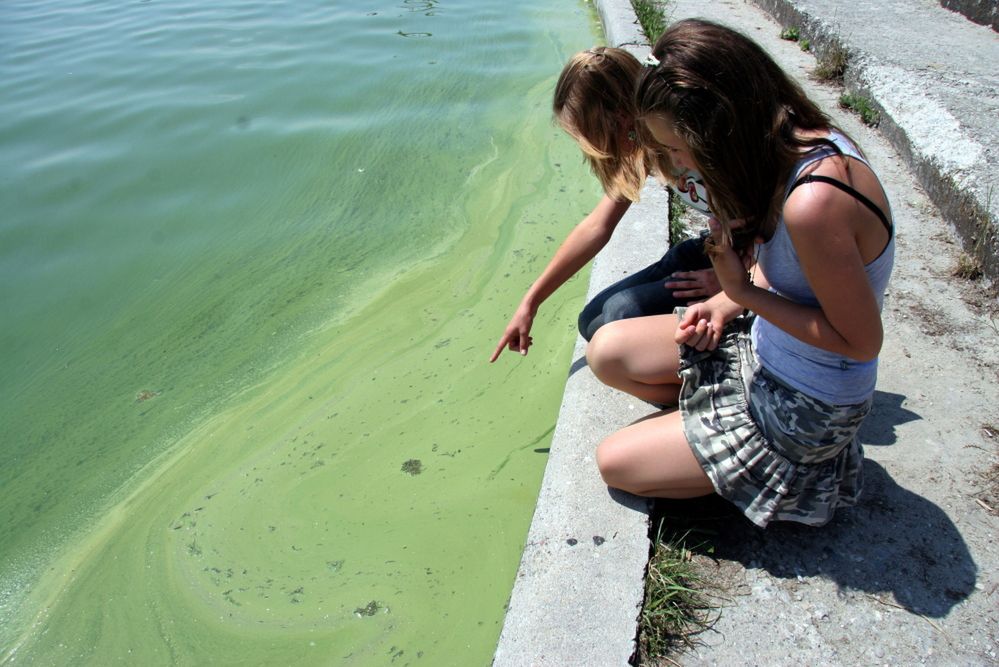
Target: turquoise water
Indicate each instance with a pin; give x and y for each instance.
(253, 257)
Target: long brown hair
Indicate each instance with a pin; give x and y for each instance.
(595, 94)
(738, 112)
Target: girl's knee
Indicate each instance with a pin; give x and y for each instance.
(605, 462)
(612, 463)
(603, 352)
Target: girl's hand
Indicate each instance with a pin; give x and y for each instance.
(730, 268)
(702, 323)
(701, 326)
(517, 335)
(697, 329)
(693, 284)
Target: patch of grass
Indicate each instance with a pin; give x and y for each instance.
(983, 233)
(677, 227)
(967, 268)
(988, 496)
(790, 33)
(832, 63)
(651, 16)
(805, 45)
(676, 608)
(991, 478)
(862, 106)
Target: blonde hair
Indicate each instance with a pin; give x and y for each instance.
(594, 95)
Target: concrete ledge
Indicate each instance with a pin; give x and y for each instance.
(621, 26)
(581, 579)
(984, 12)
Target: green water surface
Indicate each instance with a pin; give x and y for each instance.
(253, 259)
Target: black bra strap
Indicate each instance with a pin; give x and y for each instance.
(811, 178)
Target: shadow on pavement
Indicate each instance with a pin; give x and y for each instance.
(887, 412)
(893, 542)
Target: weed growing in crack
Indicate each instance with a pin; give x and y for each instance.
(862, 106)
(790, 33)
(832, 63)
(651, 17)
(676, 607)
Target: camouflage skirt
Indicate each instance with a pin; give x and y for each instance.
(774, 452)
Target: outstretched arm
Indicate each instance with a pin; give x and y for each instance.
(582, 245)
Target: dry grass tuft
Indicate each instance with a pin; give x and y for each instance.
(832, 63)
(967, 268)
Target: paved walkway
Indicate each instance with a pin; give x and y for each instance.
(911, 575)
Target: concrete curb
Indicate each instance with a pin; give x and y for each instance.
(983, 12)
(581, 580)
(621, 26)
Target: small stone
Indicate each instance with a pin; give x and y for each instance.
(597, 540)
(572, 541)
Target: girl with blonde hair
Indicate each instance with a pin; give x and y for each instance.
(594, 103)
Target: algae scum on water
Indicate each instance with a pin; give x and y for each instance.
(257, 257)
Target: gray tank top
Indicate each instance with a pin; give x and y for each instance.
(824, 375)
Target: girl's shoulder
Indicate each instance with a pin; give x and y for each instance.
(833, 182)
(801, 195)
(839, 196)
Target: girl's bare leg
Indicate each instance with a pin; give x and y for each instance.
(652, 458)
(638, 356)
